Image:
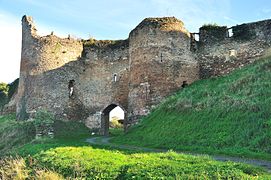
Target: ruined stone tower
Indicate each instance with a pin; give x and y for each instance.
(160, 60)
(39, 57)
(135, 74)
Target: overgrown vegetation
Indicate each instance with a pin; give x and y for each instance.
(14, 133)
(12, 88)
(213, 27)
(210, 25)
(67, 156)
(3, 95)
(105, 43)
(228, 115)
(18, 168)
(7, 91)
(90, 163)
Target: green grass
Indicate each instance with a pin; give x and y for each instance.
(225, 115)
(116, 131)
(228, 115)
(110, 164)
(67, 156)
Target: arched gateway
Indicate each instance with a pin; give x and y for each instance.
(105, 118)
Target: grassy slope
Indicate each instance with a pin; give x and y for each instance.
(229, 115)
(68, 156)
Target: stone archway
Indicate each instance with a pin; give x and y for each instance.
(105, 118)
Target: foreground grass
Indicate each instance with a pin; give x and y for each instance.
(67, 156)
(110, 164)
(225, 115)
(87, 162)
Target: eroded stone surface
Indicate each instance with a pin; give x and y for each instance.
(135, 74)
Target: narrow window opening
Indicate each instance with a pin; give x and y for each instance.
(115, 77)
(161, 56)
(196, 35)
(184, 84)
(194, 38)
(230, 33)
(71, 87)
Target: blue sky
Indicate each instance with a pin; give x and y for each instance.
(111, 19)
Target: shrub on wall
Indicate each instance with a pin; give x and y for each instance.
(210, 26)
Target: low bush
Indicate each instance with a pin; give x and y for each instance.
(14, 133)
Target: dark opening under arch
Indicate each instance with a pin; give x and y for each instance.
(106, 118)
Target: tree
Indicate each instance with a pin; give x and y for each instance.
(3, 95)
(12, 88)
(4, 88)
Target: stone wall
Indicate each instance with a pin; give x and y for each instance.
(39, 56)
(210, 34)
(135, 74)
(99, 70)
(218, 55)
(104, 80)
(160, 60)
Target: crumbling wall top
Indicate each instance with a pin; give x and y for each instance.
(212, 33)
(159, 22)
(28, 25)
(254, 30)
(112, 44)
(162, 24)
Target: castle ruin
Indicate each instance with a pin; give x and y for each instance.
(85, 79)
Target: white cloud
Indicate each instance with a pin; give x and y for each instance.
(10, 47)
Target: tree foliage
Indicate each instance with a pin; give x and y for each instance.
(7, 91)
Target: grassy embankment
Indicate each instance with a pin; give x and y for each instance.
(67, 156)
(224, 115)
